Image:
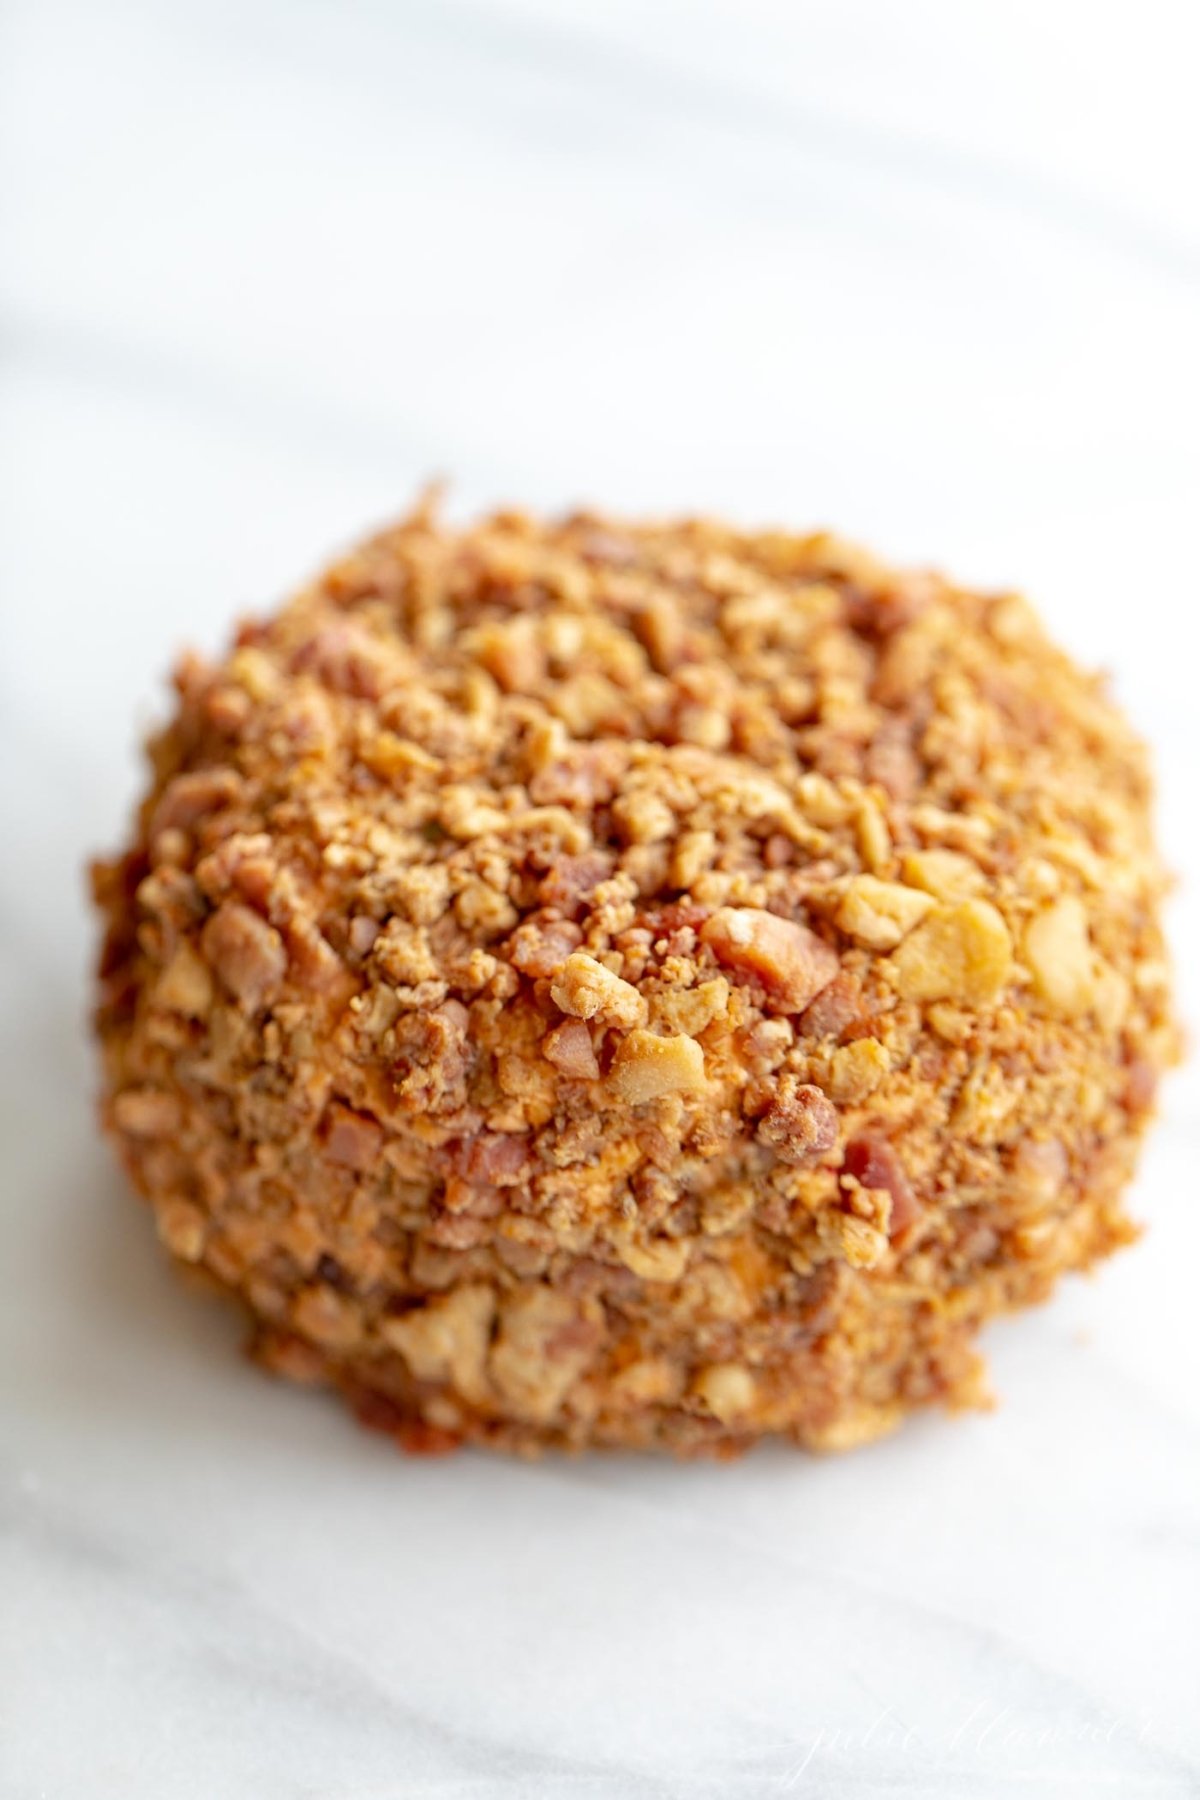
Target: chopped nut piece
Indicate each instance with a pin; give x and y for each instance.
(330, 1319)
(946, 874)
(705, 725)
(860, 1242)
(647, 1067)
(1040, 1169)
(447, 1339)
(586, 989)
(727, 1209)
(1059, 954)
(792, 963)
(464, 814)
(146, 1113)
(653, 1259)
(185, 985)
(690, 1011)
(857, 1069)
(952, 1023)
(642, 818)
(958, 952)
(545, 1342)
(877, 913)
(984, 1106)
(652, 1381)
(693, 853)
(1111, 998)
(421, 894)
(874, 839)
(404, 954)
(727, 1390)
(183, 1229)
(394, 758)
(511, 652)
(821, 801)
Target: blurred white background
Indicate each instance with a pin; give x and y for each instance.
(927, 273)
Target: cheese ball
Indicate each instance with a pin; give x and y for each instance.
(647, 985)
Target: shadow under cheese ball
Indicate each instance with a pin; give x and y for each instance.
(655, 985)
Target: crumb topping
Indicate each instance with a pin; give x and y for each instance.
(635, 983)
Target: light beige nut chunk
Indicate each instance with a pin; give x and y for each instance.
(986, 1101)
(1059, 954)
(856, 1426)
(707, 726)
(545, 1343)
(874, 839)
(821, 801)
(447, 1339)
(650, 1381)
(1110, 1002)
(958, 952)
(146, 1112)
(326, 1317)
(726, 1209)
(1040, 1170)
(877, 913)
(692, 855)
(182, 1228)
(728, 1391)
(587, 990)
(857, 1069)
(647, 1067)
(946, 874)
(393, 757)
(421, 894)
(466, 812)
(403, 953)
(643, 818)
(511, 653)
(792, 963)
(691, 1010)
(654, 1259)
(861, 1242)
(185, 985)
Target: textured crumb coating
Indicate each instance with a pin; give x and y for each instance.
(635, 984)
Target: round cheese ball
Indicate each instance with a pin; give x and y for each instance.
(646, 985)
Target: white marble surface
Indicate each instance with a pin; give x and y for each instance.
(930, 273)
